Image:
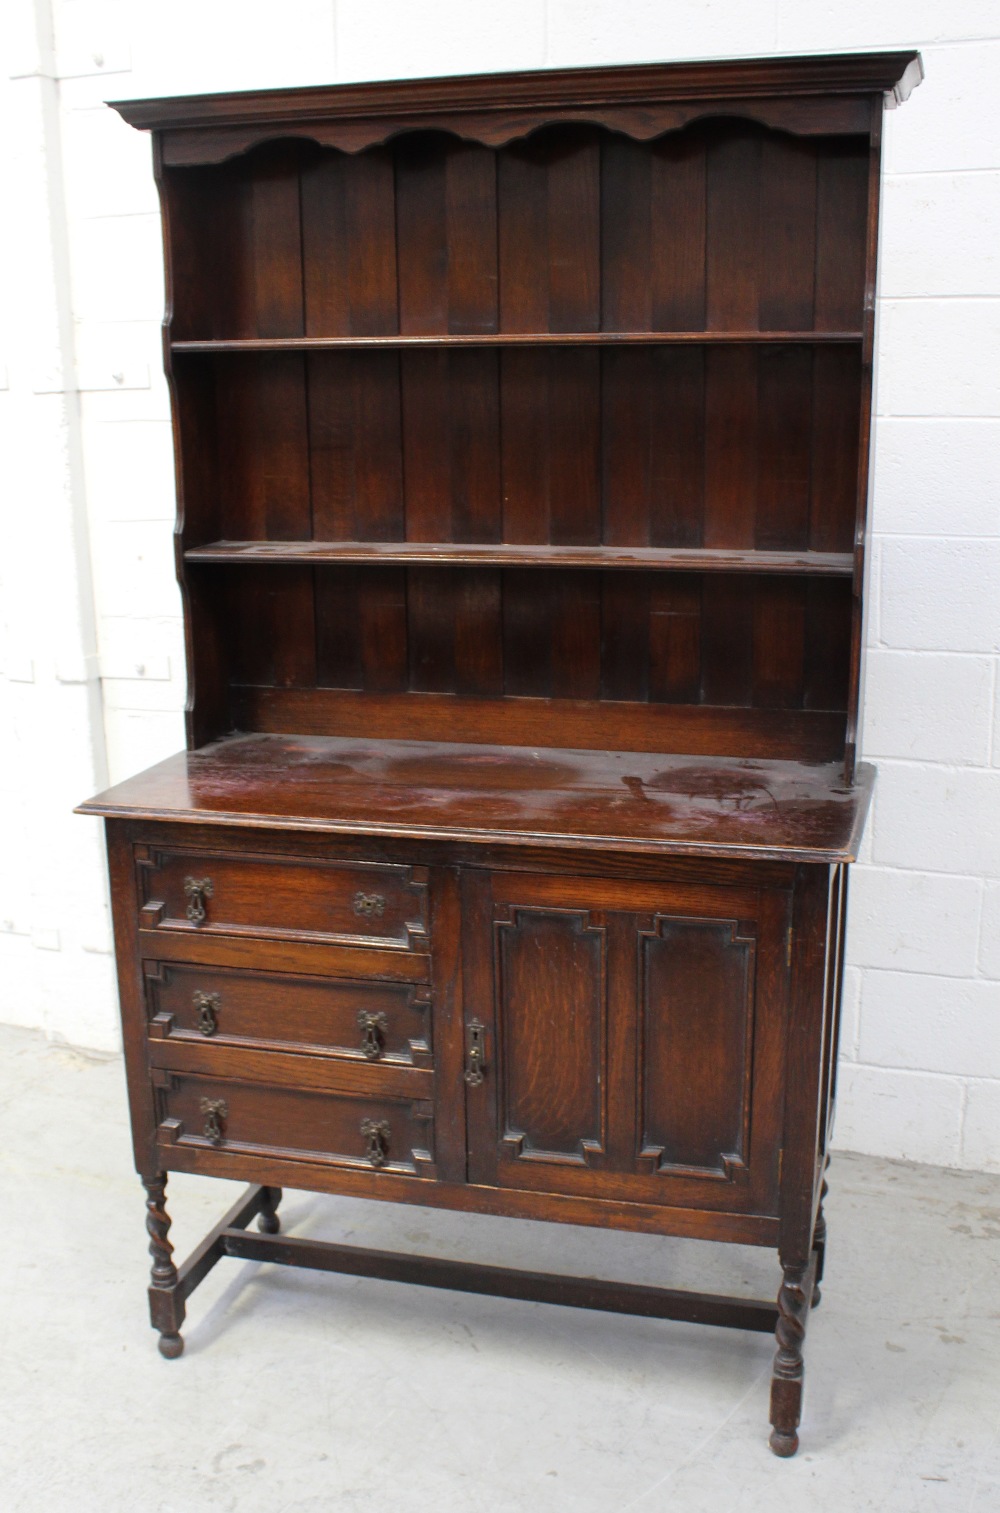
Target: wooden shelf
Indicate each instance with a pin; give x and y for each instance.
(504, 554)
(515, 339)
(627, 801)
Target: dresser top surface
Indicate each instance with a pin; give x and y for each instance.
(634, 802)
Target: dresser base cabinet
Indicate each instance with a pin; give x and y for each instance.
(552, 1032)
(522, 429)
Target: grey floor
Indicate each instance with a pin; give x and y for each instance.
(304, 1392)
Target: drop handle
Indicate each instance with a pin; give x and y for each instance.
(207, 1006)
(196, 890)
(373, 1028)
(376, 1136)
(216, 1112)
(475, 1061)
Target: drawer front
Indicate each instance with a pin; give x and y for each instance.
(364, 1021)
(282, 897)
(375, 1134)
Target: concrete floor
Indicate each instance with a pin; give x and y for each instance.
(302, 1392)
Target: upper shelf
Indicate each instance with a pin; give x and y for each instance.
(506, 554)
(512, 339)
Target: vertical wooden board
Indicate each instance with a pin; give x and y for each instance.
(841, 226)
(281, 466)
(430, 613)
(837, 378)
(551, 1022)
(732, 228)
(241, 514)
(626, 240)
(626, 445)
(471, 218)
(196, 435)
(527, 638)
(474, 445)
(625, 600)
(331, 445)
(264, 447)
(778, 642)
(677, 445)
(289, 611)
(277, 241)
(675, 639)
(784, 447)
(238, 592)
(325, 245)
(208, 276)
(572, 453)
(425, 394)
(576, 636)
(827, 643)
(787, 233)
(525, 454)
(421, 230)
(730, 446)
(574, 227)
(478, 632)
(378, 447)
(338, 638)
(678, 227)
(272, 617)
(370, 205)
(727, 640)
(696, 1025)
(522, 230)
(381, 603)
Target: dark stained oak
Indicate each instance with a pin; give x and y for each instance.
(400, 553)
(631, 801)
(522, 426)
(400, 342)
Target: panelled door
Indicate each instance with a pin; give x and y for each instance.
(624, 1039)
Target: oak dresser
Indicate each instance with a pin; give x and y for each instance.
(522, 437)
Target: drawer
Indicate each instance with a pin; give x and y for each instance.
(364, 1021)
(229, 893)
(373, 1133)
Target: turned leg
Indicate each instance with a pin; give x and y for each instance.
(267, 1220)
(166, 1306)
(819, 1240)
(786, 1379)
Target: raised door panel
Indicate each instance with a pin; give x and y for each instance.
(696, 1020)
(631, 1038)
(551, 1015)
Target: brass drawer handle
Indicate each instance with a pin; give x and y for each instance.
(197, 889)
(216, 1111)
(373, 1028)
(369, 905)
(208, 1006)
(475, 1053)
(376, 1133)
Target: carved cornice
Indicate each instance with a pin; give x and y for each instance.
(493, 109)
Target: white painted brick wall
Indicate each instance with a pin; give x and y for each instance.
(921, 1023)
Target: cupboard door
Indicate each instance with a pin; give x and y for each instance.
(631, 1038)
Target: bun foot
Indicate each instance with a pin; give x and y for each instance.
(171, 1346)
(817, 1298)
(784, 1443)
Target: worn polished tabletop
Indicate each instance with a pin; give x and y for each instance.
(627, 801)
